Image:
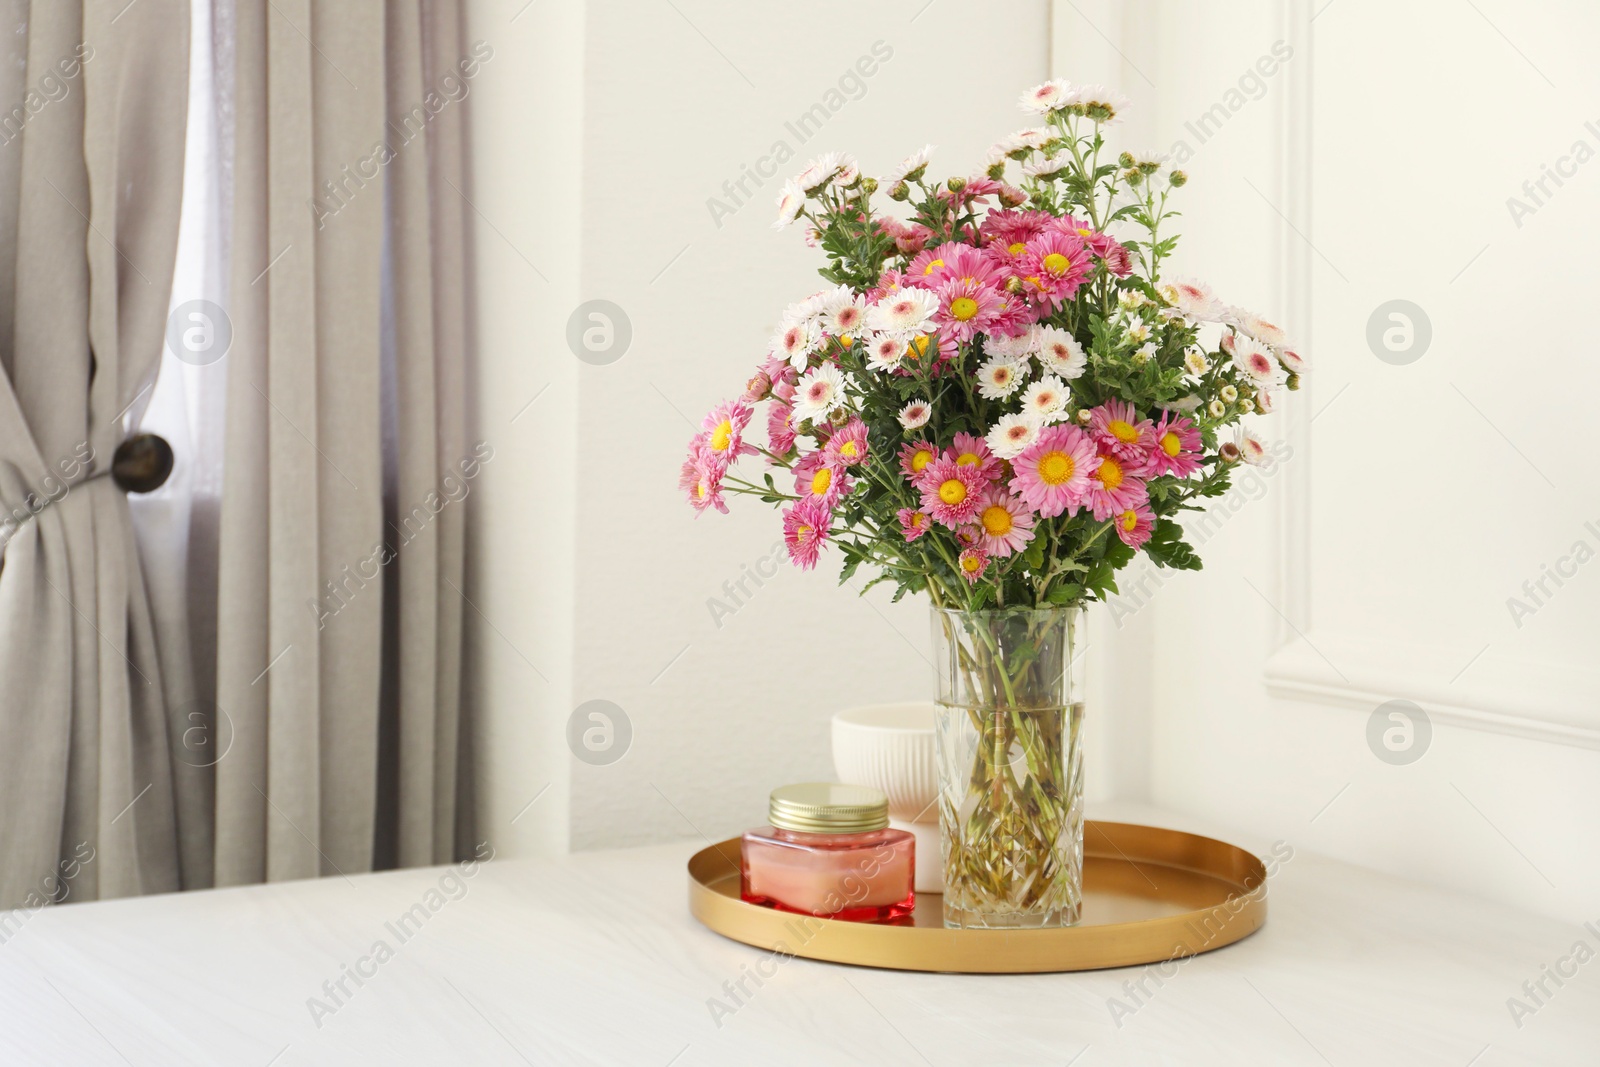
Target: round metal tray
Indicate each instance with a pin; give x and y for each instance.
(1149, 895)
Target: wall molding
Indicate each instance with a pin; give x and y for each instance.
(1514, 697)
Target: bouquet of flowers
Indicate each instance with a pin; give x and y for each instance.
(997, 401)
(1000, 401)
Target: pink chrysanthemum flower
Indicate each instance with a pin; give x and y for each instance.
(722, 431)
(1117, 426)
(1005, 522)
(934, 266)
(969, 535)
(848, 444)
(819, 477)
(971, 451)
(1177, 449)
(909, 238)
(1114, 487)
(1008, 232)
(1133, 525)
(968, 308)
(973, 562)
(913, 523)
(780, 420)
(1107, 248)
(1053, 268)
(805, 527)
(915, 457)
(1053, 474)
(950, 492)
(701, 480)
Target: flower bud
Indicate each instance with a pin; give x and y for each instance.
(1133, 176)
(1014, 285)
(1247, 405)
(899, 191)
(1126, 160)
(869, 185)
(997, 171)
(955, 185)
(1294, 382)
(1177, 178)
(1229, 452)
(1229, 394)
(1216, 409)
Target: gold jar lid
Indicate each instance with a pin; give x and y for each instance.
(828, 808)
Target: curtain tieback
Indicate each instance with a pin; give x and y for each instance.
(141, 464)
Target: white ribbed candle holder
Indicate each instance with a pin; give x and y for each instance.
(890, 747)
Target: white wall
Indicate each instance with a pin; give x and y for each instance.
(674, 100)
(1383, 553)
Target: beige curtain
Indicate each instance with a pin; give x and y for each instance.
(339, 622)
(91, 166)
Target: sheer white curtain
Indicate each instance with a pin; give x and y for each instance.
(177, 524)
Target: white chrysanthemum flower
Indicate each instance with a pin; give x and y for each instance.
(1293, 361)
(847, 173)
(1196, 361)
(884, 350)
(915, 414)
(1252, 449)
(1254, 326)
(904, 311)
(1035, 136)
(1046, 399)
(910, 168)
(1138, 331)
(795, 342)
(1100, 103)
(1050, 96)
(791, 198)
(1061, 353)
(1145, 353)
(1012, 435)
(1257, 362)
(1194, 299)
(1043, 168)
(1266, 400)
(999, 378)
(818, 393)
(1131, 299)
(844, 314)
(818, 171)
(1183, 405)
(1012, 349)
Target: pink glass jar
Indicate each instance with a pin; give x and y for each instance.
(829, 852)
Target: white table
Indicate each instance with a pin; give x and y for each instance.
(594, 959)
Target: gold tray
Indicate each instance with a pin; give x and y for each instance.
(1149, 895)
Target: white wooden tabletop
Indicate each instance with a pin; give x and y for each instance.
(594, 959)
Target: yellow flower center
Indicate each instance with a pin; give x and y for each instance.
(918, 346)
(997, 520)
(1016, 248)
(1170, 444)
(952, 491)
(1122, 431)
(722, 436)
(700, 490)
(916, 520)
(1055, 468)
(847, 340)
(1056, 263)
(920, 458)
(1130, 521)
(971, 564)
(1084, 231)
(963, 308)
(967, 459)
(847, 449)
(802, 532)
(932, 264)
(1109, 473)
(821, 480)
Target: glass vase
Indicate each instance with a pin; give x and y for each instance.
(1010, 714)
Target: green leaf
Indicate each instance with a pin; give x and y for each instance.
(1064, 594)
